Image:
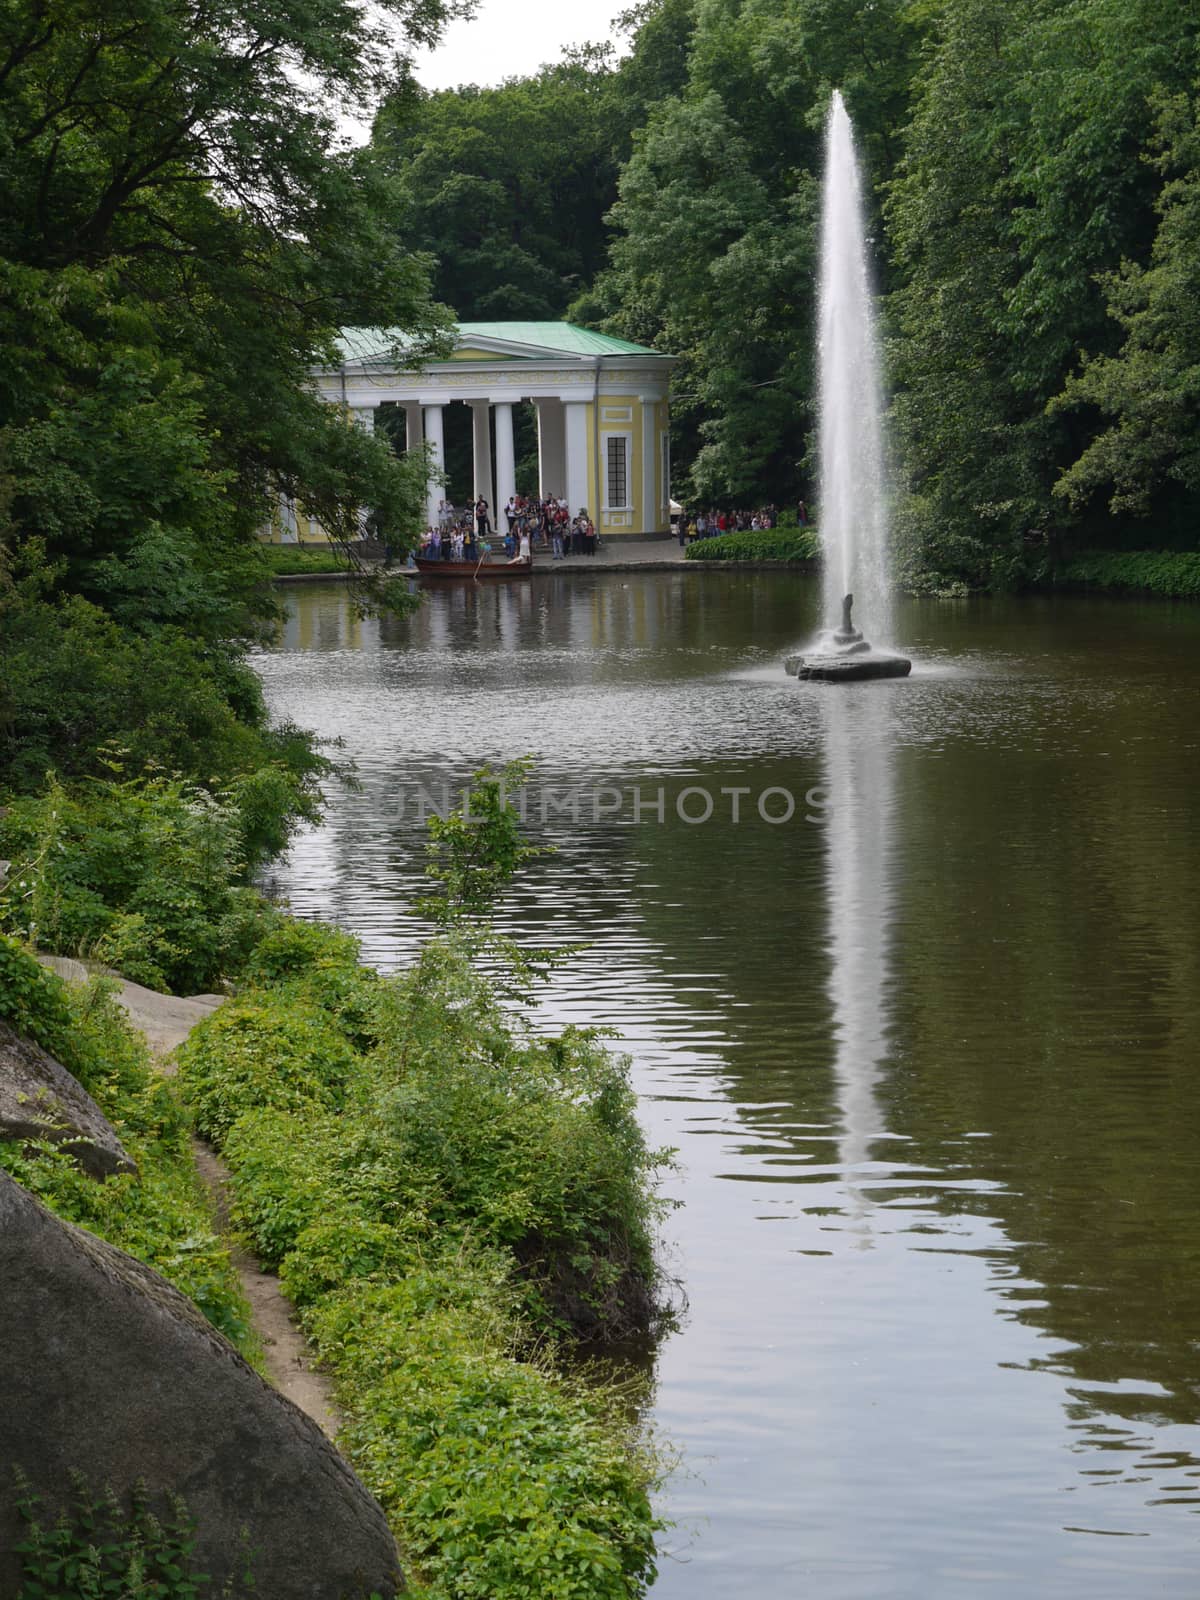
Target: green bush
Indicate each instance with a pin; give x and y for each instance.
(439, 1198)
(1174, 574)
(285, 560)
(767, 544)
(140, 873)
(74, 682)
(35, 1003)
(262, 1052)
(507, 1483)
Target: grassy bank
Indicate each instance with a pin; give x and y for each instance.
(294, 560)
(452, 1203)
(1171, 574)
(768, 544)
(445, 1198)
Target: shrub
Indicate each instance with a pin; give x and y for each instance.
(76, 681)
(767, 544)
(262, 1052)
(1175, 574)
(285, 560)
(141, 873)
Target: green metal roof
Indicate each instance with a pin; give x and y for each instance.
(564, 336)
(379, 344)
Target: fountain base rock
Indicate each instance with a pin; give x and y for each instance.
(851, 666)
(844, 656)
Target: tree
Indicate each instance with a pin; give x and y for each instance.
(1023, 183)
(1145, 460)
(506, 187)
(181, 234)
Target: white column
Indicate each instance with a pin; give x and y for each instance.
(437, 460)
(506, 463)
(650, 466)
(414, 433)
(481, 429)
(552, 449)
(363, 417)
(576, 428)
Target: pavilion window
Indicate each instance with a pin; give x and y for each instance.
(618, 470)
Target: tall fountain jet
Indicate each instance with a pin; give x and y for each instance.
(853, 485)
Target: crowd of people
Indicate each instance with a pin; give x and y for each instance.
(464, 533)
(712, 523)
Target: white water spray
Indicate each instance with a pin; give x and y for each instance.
(853, 483)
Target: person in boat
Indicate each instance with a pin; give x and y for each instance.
(524, 550)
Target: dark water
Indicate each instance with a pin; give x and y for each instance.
(929, 1050)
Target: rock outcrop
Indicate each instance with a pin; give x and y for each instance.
(111, 1371)
(39, 1099)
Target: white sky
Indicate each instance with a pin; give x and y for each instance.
(513, 38)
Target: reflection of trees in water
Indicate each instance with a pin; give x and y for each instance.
(1048, 998)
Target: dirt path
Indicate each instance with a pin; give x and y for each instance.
(285, 1350)
(166, 1021)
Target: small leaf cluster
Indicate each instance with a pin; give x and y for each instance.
(104, 1549)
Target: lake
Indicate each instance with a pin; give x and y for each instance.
(909, 975)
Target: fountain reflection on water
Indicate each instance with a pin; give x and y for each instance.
(859, 788)
(853, 486)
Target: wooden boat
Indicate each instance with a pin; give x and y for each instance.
(486, 570)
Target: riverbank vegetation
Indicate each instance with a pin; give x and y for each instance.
(454, 1203)
(1175, 575)
(182, 234)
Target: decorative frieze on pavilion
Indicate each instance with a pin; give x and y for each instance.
(602, 411)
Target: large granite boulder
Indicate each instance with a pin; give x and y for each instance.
(39, 1099)
(111, 1371)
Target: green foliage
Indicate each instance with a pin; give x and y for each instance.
(103, 1547)
(1148, 455)
(75, 684)
(437, 1199)
(714, 254)
(767, 544)
(476, 851)
(507, 1482)
(35, 1004)
(141, 873)
(1023, 187)
(284, 560)
(507, 187)
(1174, 574)
(160, 1213)
(262, 1052)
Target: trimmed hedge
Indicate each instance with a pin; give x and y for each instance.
(766, 544)
(1174, 574)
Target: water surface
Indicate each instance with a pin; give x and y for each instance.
(928, 1050)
